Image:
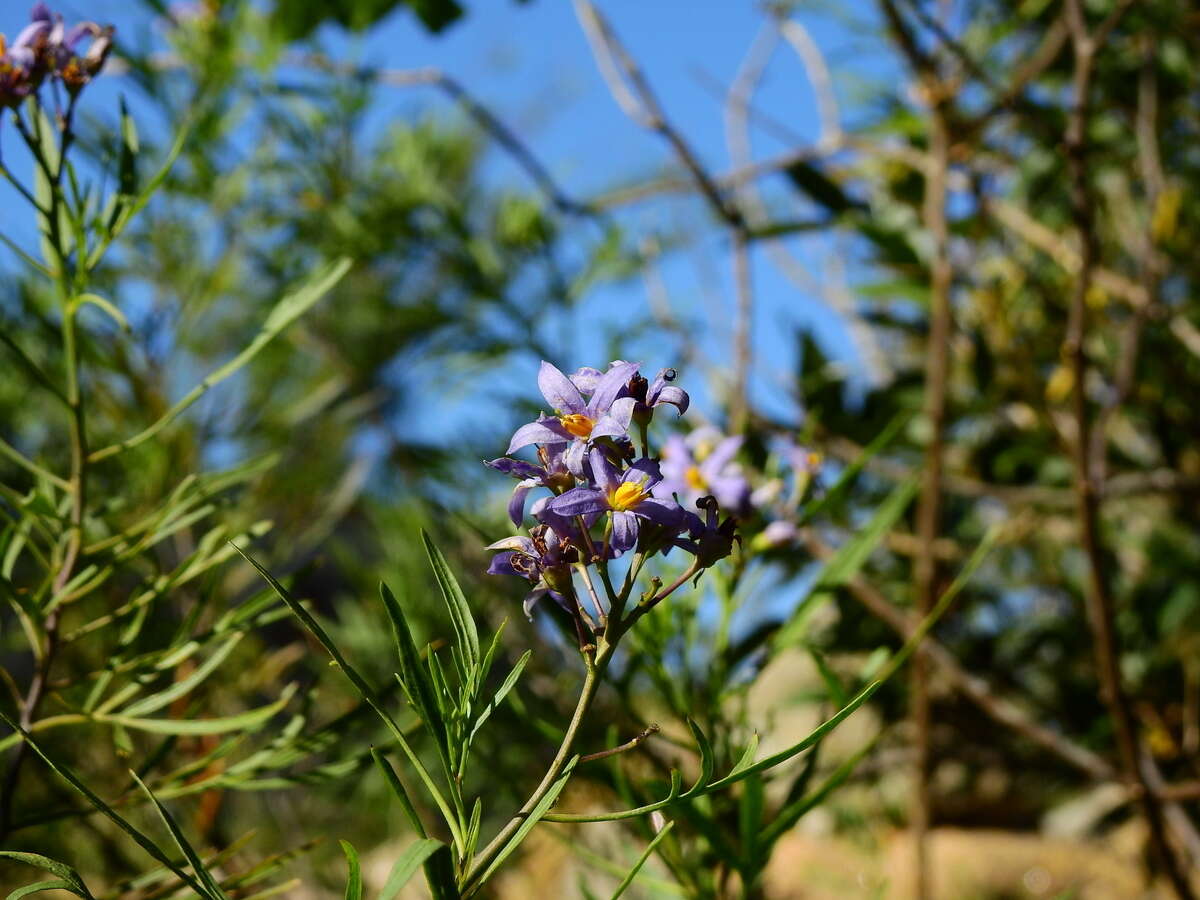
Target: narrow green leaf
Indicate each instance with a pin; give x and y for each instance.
(473, 826)
(747, 758)
(285, 312)
(793, 812)
(637, 866)
(107, 307)
(535, 816)
(365, 691)
(456, 603)
(247, 721)
(389, 775)
(833, 684)
(211, 888)
(38, 887)
(750, 813)
(67, 876)
(354, 884)
(847, 561)
(182, 688)
(142, 840)
(672, 796)
(406, 866)
(817, 734)
(130, 147)
(839, 487)
(501, 692)
(707, 760)
(440, 875)
(413, 677)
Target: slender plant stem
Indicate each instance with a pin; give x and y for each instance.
(591, 683)
(1099, 600)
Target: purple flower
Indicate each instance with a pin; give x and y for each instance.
(702, 464)
(543, 559)
(20, 69)
(626, 496)
(576, 421)
(656, 393)
(55, 49)
(710, 539)
(17, 79)
(552, 474)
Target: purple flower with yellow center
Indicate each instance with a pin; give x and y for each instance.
(628, 497)
(544, 559)
(576, 421)
(551, 473)
(702, 464)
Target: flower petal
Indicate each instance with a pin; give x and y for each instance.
(516, 503)
(586, 378)
(517, 468)
(580, 501)
(558, 390)
(624, 531)
(575, 457)
(531, 600)
(721, 456)
(607, 478)
(501, 564)
(677, 397)
(516, 542)
(645, 472)
(546, 430)
(609, 387)
(667, 513)
(615, 423)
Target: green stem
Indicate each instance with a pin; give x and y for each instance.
(591, 683)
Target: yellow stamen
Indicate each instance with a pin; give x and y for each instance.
(579, 425)
(626, 496)
(694, 479)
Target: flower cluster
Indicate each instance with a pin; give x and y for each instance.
(46, 48)
(607, 495)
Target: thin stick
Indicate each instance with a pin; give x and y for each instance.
(1098, 598)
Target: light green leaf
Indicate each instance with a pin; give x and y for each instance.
(354, 884)
(389, 775)
(406, 866)
(68, 879)
(707, 760)
(456, 603)
(182, 688)
(535, 816)
(285, 312)
(501, 692)
(365, 691)
(747, 758)
(211, 888)
(637, 866)
(413, 677)
(107, 307)
(71, 778)
(247, 721)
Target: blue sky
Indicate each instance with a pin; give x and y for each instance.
(531, 65)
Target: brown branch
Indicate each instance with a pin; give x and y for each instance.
(971, 686)
(1098, 598)
(936, 93)
(633, 94)
(630, 744)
